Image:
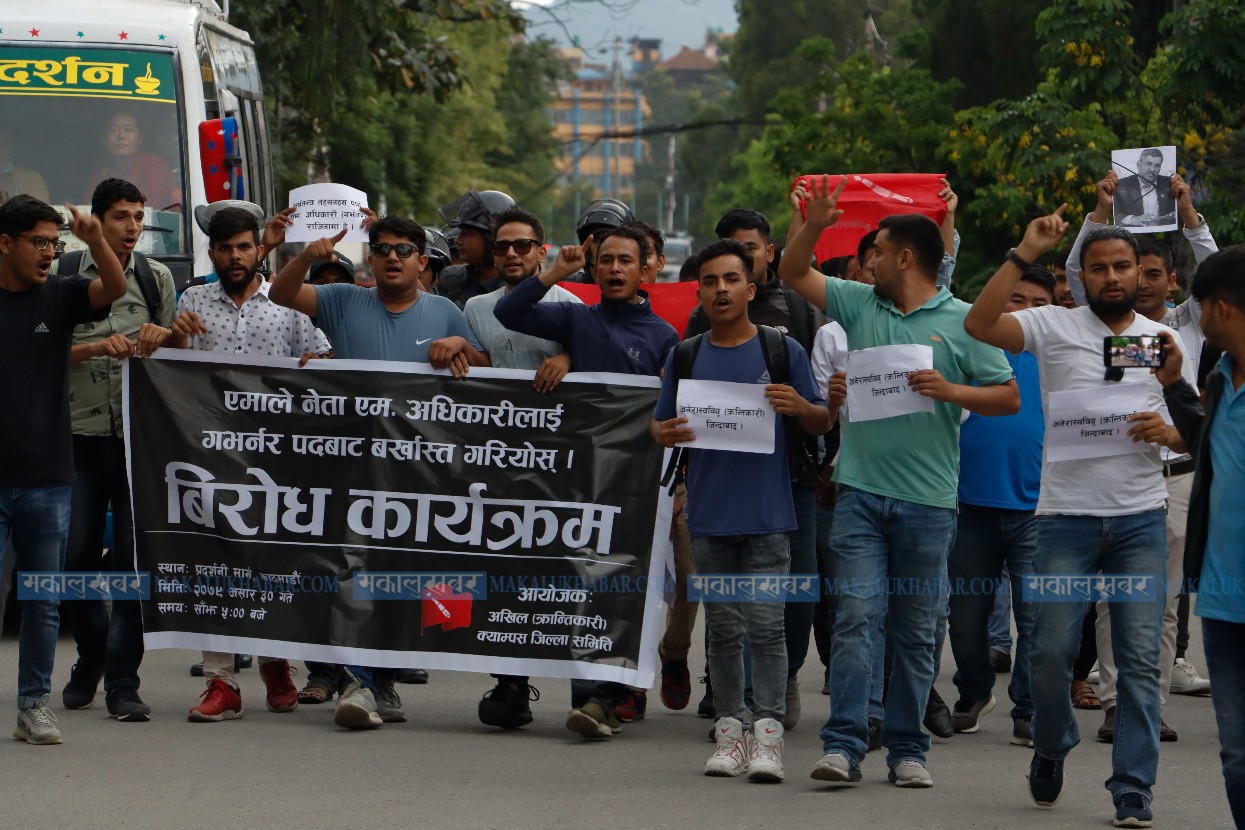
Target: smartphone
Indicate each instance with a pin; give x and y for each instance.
(1143, 351)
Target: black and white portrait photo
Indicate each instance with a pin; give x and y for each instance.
(1143, 198)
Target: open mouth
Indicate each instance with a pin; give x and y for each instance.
(615, 283)
(45, 267)
(129, 241)
(393, 270)
(722, 302)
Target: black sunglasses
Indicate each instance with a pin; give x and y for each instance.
(404, 250)
(522, 247)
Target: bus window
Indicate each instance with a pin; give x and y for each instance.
(73, 117)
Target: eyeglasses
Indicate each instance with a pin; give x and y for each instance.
(41, 243)
(404, 250)
(522, 247)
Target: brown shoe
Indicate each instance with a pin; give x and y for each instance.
(1166, 733)
(1106, 732)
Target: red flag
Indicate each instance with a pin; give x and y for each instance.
(672, 301)
(443, 607)
(868, 198)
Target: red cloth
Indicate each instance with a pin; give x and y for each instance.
(150, 173)
(672, 301)
(869, 198)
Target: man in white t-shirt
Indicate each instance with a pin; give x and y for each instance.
(1104, 513)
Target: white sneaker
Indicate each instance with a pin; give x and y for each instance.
(1092, 677)
(765, 758)
(1186, 680)
(37, 725)
(356, 709)
(731, 756)
(910, 773)
(834, 766)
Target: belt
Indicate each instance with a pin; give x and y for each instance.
(1178, 468)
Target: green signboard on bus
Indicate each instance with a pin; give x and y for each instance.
(88, 73)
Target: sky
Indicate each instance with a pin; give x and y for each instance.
(597, 22)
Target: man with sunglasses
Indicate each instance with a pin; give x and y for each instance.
(1103, 514)
(38, 313)
(397, 320)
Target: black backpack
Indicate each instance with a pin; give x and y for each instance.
(801, 447)
(71, 263)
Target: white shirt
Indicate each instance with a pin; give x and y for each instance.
(259, 327)
(829, 356)
(1068, 347)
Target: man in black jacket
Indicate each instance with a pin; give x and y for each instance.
(1215, 544)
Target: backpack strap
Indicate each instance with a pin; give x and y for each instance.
(147, 285)
(801, 318)
(684, 359)
(801, 447)
(67, 265)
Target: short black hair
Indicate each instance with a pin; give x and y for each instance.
(689, 270)
(1107, 234)
(655, 237)
(520, 216)
(1059, 259)
(400, 227)
(921, 235)
(1038, 275)
(627, 231)
(865, 245)
(229, 222)
(110, 191)
(835, 266)
(1149, 246)
(724, 247)
(1221, 276)
(742, 219)
(23, 212)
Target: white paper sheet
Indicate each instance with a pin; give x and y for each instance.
(877, 382)
(323, 210)
(1093, 423)
(727, 416)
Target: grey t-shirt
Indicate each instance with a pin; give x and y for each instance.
(509, 349)
(361, 328)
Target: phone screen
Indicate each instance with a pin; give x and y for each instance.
(1143, 351)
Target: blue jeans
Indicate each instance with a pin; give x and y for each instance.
(367, 676)
(879, 538)
(1135, 544)
(37, 519)
(727, 623)
(1225, 660)
(828, 568)
(107, 646)
(990, 542)
(1001, 617)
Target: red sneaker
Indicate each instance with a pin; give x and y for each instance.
(632, 707)
(282, 696)
(219, 701)
(676, 684)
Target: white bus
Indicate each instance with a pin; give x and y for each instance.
(91, 89)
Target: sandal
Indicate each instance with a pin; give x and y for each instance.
(1084, 696)
(315, 692)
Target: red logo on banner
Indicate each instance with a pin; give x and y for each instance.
(672, 301)
(868, 198)
(443, 607)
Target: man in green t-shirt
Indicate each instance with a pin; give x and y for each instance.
(894, 519)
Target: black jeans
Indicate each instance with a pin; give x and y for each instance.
(107, 646)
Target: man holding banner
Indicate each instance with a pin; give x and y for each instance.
(895, 512)
(1101, 505)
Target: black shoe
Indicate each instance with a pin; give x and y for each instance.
(1166, 733)
(938, 716)
(242, 661)
(505, 705)
(968, 714)
(1132, 811)
(79, 692)
(413, 677)
(1022, 732)
(1001, 660)
(875, 734)
(125, 705)
(1045, 780)
(196, 669)
(705, 707)
(1106, 732)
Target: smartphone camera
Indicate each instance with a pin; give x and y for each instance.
(1144, 351)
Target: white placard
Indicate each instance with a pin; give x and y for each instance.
(1093, 423)
(1143, 200)
(877, 382)
(323, 210)
(727, 416)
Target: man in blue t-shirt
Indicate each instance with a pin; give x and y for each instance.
(741, 530)
(395, 321)
(1000, 471)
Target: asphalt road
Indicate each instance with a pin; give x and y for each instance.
(442, 769)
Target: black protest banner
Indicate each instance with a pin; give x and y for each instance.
(382, 514)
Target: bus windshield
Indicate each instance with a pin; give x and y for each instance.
(72, 117)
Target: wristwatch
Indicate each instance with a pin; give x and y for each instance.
(1019, 261)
